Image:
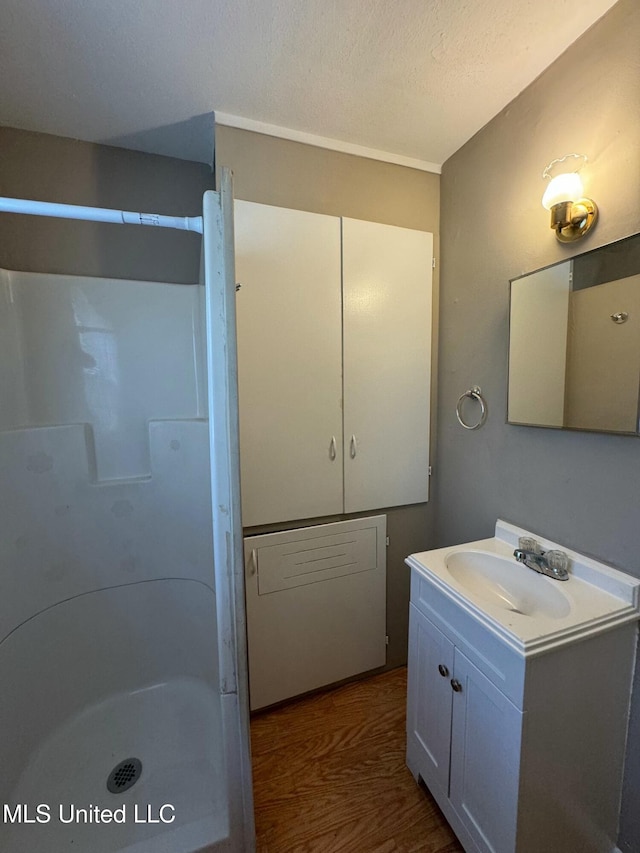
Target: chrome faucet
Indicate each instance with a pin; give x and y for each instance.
(553, 564)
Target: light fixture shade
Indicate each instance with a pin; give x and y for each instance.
(562, 188)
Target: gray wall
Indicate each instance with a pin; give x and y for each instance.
(50, 168)
(289, 174)
(579, 489)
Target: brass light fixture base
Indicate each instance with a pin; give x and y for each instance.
(572, 220)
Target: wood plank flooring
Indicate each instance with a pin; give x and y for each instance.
(330, 776)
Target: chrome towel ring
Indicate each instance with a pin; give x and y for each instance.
(476, 394)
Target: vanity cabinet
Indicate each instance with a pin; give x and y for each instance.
(523, 753)
(334, 348)
(464, 735)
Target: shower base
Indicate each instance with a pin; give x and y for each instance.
(123, 673)
(168, 727)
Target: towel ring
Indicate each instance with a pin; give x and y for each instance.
(476, 394)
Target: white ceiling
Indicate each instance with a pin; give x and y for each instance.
(415, 78)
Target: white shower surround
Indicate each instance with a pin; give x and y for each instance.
(108, 639)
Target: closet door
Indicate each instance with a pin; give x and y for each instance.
(289, 363)
(387, 277)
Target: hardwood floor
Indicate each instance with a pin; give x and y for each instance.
(330, 776)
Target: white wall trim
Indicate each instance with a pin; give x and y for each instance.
(325, 142)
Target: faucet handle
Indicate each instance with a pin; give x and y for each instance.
(527, 543)
(558, 562)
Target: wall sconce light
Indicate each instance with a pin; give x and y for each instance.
(572, 215)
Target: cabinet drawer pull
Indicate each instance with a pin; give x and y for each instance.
(253, 562)
(333, 448)
(442, 669)
(353, 447)
(455, 685)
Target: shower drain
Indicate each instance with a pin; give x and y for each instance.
(124, 775)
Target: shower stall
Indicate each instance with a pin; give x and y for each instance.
(123, 710)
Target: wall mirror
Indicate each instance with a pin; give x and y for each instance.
(574, 342)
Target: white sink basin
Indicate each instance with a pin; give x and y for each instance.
(529, 612)
(507, 584)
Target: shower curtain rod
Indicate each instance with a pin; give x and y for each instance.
(99, 214)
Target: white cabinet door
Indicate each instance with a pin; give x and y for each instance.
(429, 697)
(289, 363)
(293, 300)
(316, 606)
(485, 759)
(387, 362)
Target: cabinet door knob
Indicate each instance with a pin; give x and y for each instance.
(354, 447)
(332, 448)
(455, 685)
(442, 669)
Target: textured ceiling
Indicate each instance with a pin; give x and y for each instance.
(412, 77)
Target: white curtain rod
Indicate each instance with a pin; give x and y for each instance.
(99, 214)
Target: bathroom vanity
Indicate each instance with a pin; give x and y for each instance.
(518, 695)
